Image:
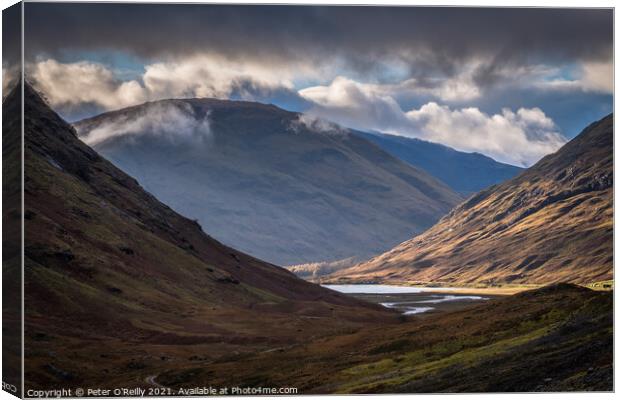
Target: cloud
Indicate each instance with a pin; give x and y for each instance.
(355, 105)
(519, 138)
(459, 88)
(11, 74)
(317, 125)
(444, 114)
(597, 77)
(212, 76)
(177, 123)
(69, 86)
(361, 38)
(509, 56)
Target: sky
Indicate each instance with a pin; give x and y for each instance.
(514, 84)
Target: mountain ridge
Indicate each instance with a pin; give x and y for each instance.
(466, 173)
(551, 223)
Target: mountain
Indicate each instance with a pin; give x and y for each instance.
(11, 246)
(552, 223)
(118, 284)
(465, 173)
(272, 183)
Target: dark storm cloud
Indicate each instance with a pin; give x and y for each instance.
(436, 39)
(11, 47)
(11, 33)
(476, 79)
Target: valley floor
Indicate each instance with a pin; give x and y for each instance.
(557, 338)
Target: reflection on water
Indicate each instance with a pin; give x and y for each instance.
(449, 297)
(407, 310)
(410, 307)
(417, 310)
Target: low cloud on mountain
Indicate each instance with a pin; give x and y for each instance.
(176, 123)
(518, 137)
(316, 124)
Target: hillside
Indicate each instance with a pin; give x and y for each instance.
(270, 182)
(11, 244)
(552, 223)
(115, 273)
(465, 173)
(554, 339)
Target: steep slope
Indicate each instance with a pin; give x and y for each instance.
(111, 271)
(552, 223)
(270, 182)
(11, 245)
(465, 173)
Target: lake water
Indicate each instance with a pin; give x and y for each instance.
(409, 300)
(383, 289)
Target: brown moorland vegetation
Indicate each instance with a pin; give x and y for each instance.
(557, 338)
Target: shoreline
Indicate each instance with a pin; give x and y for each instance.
(474, 289)
(445, 288)
(497, 291)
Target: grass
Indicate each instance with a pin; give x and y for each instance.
(396, 372)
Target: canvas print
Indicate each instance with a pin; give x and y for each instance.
(204, 199)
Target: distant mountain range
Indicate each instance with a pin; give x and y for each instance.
(269, 182)
(552, 223)
(465, 173)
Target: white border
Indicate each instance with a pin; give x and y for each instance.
(478, 3)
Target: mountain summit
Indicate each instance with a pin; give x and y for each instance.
(276, 184)
(552, 223)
